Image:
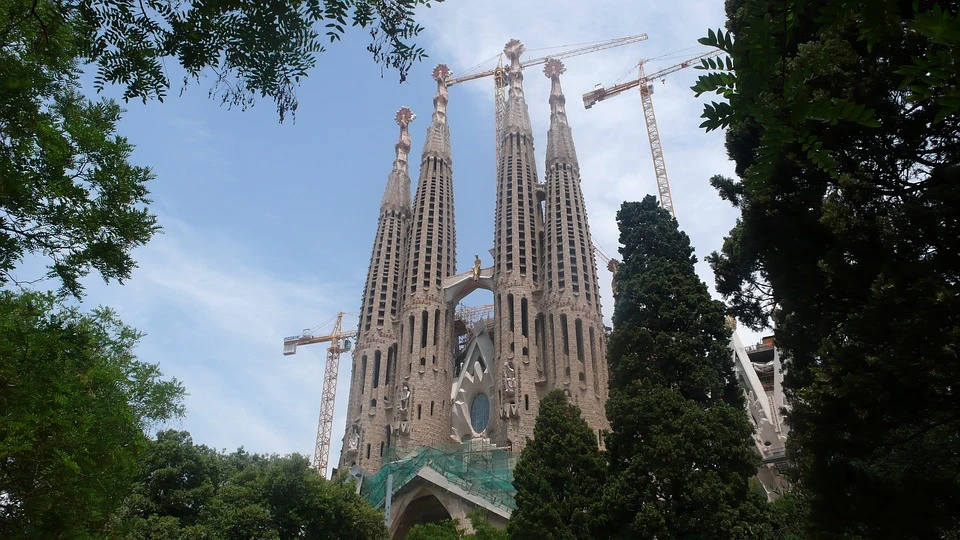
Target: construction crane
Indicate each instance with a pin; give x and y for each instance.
(339, 343)
(500, 79)
(653, 133)
(612, 265)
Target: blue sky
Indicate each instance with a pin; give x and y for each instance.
(268, 227)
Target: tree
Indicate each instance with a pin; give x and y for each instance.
(482, 528)
(253, 48)
(449, 529)
(558, 476)
(75, 402)
(186, 491)
(843, 122)
(67, 189)
(680, 447)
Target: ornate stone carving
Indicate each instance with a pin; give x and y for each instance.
(509, 410)
(509, 379)
(353, 439)
(404, 409)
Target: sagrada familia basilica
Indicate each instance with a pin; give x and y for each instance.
(421, 377)
(426, 377)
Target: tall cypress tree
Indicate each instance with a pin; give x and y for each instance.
(680, 450)
(559, 475)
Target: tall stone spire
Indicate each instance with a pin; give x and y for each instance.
(396, 197)
(577, 359)
(375, 356)
(517, 117)
(560, 140)
(518, 237)
(426, 354)
(437, 143)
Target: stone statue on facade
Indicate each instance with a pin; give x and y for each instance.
(476, 268)
(353, 442)
(405, 397)
(509, 379)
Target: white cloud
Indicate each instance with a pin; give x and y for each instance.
(216, 317)
(611, 137)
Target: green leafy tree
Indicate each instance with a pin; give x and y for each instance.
(186, 491)
(448, 529)
(843, 120)
(680, 447)
(67, 190)
(74, 404)
(559, 475)
(252, 48)
(482, 528)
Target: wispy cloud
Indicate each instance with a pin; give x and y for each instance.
(216, 316)
(611, 138)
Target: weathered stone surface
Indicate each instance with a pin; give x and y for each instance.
(547, 327)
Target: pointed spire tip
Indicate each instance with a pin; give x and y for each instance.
(513, 49)
(404, 117)
(554, 68)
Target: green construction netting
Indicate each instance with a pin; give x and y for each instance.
(486, 472)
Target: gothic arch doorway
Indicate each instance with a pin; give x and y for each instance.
(424, 509)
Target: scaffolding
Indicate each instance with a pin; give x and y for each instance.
(480, 469)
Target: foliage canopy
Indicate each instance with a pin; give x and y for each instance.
(559, 475)
(67, 189)
(843, 120)
(75, 403)
(187, 491)
(680, 448)
(253, 48)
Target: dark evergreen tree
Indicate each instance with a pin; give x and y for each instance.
(559, 475)
(680, 449)
(843, 118)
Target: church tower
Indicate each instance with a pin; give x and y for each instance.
(425, 375)
(574, 325)
(375, 356)
(519, 226)
(422, 415)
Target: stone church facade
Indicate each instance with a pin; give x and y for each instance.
(422, 375)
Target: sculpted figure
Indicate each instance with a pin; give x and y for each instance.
(509, 378)
(405, 397)
(354, 442)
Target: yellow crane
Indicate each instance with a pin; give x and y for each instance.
(339, 343)
(500, 79)
(653, 133)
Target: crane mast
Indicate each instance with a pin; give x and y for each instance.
(653, 132)
(500, 79)
(339, 343)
